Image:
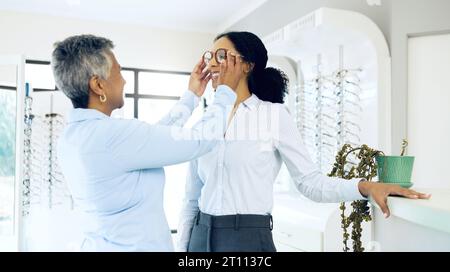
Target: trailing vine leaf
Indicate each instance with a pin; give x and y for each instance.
(365, 169)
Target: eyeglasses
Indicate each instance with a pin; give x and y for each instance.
(220, 55)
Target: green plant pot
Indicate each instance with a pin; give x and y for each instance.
(406, 185)
(395, 169)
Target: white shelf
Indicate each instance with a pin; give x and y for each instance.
(433, 213)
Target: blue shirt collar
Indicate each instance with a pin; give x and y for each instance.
(77, 115)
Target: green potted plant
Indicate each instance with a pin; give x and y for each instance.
(396, 169)
(390, 169)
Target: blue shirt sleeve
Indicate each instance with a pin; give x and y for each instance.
(180, 113)
(138, 145)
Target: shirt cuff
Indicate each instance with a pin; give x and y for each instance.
(184, 235)
(191, 97)
(354, 190)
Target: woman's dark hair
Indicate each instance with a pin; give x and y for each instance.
(267, 83)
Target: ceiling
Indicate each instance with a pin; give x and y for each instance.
(210, 16)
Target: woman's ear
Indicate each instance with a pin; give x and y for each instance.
(248, 67)
(96, 85)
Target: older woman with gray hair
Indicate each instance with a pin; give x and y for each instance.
(114, 167)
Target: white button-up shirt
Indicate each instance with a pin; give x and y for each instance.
(114, 170)
(237, 177)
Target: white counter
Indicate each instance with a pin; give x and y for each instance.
(432, 213)
(415, 225)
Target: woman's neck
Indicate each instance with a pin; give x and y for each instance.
(101, 107)
(242, 93)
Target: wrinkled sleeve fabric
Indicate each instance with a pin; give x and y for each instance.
(138, 145)
(306, 175)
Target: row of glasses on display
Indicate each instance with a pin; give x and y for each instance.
(327, 113)
(43, 182)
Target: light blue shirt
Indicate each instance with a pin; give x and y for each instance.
(114, 170)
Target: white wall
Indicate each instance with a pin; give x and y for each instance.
(398, 19)
(282, 12)
(136, 46)
(409, 18)
(428, 110)
(33, 35)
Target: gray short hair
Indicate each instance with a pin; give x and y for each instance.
(75, 60)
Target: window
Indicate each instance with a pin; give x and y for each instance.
(7, 159)
(151, 93)
(40, 75)
(163, 84)
(8, 74)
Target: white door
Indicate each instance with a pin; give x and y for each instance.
(429, 110)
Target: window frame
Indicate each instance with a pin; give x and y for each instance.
(135, 95)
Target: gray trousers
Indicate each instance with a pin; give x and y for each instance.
(232, 233)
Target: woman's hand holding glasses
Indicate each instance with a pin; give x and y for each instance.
(231, 71)
(199, 78)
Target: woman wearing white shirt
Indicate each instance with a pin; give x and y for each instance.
(229, 191)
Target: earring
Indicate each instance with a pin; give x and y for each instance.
(103, 98)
